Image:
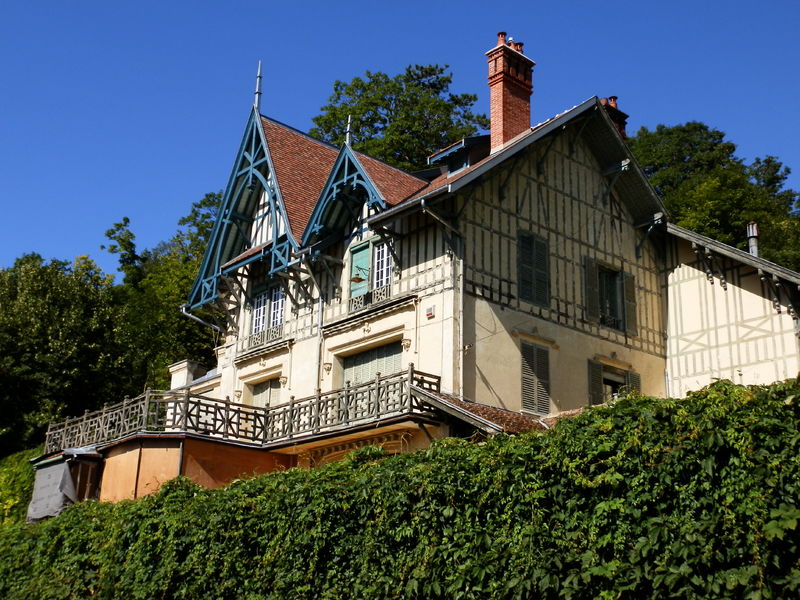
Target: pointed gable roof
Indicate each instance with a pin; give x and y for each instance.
(392, 183)
(302, 165)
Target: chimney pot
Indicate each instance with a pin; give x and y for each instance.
(612, 100)
(752, 238)
(501, 38)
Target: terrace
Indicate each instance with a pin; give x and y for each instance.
(381, 399)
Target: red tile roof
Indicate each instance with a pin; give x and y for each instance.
(394, 185)
(302, 165)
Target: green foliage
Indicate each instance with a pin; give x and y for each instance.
(16, 485)
(694, 498)
(402, 119)
(57, 345)
(708, 189)
(157, 281)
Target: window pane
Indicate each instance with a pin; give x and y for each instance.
(383, 266)
(276, 307)
(259, 308)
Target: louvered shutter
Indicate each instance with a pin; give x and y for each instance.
(266, 392)
(541, 294)
(633, 381)
(535, 379)
(629, 286)
(591, 289)
(525, 266)
(595, 382)
(363, 367)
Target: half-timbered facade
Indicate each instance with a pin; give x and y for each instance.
(529, 272)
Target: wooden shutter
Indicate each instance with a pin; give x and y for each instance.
(541, 266)
(359, 269)
(591, 289)
(533, 269)
(633, 381)
(535, 378)
(525, 266)
(363, 367)
(595, 382)
(266, 392)
(629, 286)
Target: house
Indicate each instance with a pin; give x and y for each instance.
(530, 272)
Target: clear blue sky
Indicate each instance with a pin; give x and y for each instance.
(112, 109)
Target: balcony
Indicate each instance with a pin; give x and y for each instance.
(371, 297)
(385, 397)
(262, 338)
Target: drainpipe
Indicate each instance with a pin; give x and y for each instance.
(186, 313)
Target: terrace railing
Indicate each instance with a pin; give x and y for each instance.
(183, 412)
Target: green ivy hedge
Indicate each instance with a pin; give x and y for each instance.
(694, 498)
(16, 485)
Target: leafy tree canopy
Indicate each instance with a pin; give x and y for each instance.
(57, 345)
(710, 190)
(402, 119)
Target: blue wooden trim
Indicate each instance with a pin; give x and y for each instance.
(228, 239)
(347, 171)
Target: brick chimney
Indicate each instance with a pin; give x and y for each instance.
(510, 74)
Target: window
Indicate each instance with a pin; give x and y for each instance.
(610, 296)
(266, 393)
(362, 367)
(370, 274)
(535, 378)
(533, 269)
(268, 309)
(606, 382)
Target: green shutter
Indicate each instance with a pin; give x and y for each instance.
(591, 289)
(633, 381)
(525, 266)
(533, 265)
(363, 367)
(535, 378)
(359, 269)
(629, 285)
(541, 273)
(595, 382)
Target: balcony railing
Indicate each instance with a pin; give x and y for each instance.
(371, 297)
(262, 338)
(381, 398)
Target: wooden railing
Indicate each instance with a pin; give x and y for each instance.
(183, 412)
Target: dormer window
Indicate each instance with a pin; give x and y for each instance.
(462, 154)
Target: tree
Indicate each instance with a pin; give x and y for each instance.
(708, 189)
(402, 119)
(157, 281)
(58, 352)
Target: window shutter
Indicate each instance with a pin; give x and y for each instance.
(595, 382)
(359, 269)
(541, 294)
(633, 381)
(591, 289)
(629, 285)
(525, 266)
(535, 379)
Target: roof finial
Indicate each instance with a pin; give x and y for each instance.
(347, 132)
(257, 101)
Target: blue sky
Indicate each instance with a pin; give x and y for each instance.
(112, 109)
